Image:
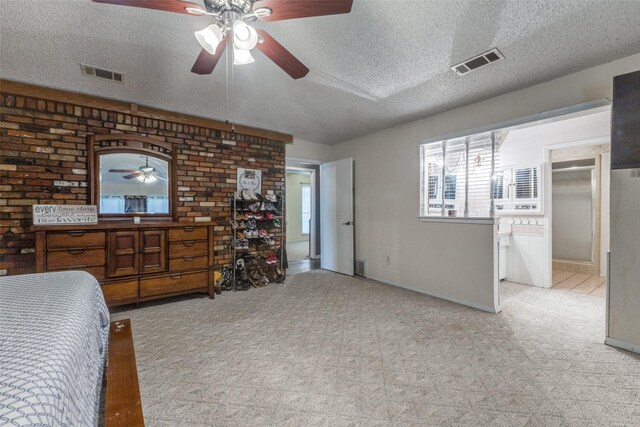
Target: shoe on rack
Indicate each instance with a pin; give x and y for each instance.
(276, 223)
(254, 207)
(251, 224)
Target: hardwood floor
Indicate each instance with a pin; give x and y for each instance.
(579, 282)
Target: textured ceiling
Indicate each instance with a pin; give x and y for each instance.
(384, 64)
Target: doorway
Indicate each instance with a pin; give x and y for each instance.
(580, 212)
(300, 216)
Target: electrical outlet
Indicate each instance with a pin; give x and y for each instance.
(388, 260)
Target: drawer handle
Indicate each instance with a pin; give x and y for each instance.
(189, 243)
(189, 228)
(189, 258)
(77, 233)
(175, 275)
(76, 251)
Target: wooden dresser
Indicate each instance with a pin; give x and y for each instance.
(132, 262)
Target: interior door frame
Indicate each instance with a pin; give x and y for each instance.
(547, 189)
(312, 228)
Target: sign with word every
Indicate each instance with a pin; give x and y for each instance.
(64, 214)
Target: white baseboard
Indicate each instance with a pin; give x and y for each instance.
(625, 345)
(437, 295)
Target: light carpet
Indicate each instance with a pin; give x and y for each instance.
(329, 350)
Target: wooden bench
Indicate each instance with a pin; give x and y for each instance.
(123, 404)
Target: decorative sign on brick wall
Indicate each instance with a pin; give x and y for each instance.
(249, 179)
(64, 214)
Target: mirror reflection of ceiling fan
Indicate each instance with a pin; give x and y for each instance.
(229, 27)
(145, 174)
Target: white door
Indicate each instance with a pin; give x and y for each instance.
(336, 216)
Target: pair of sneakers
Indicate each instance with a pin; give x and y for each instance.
(270, 240)
(272, 259)
(250, 234)
(248, 195)
(241, 244)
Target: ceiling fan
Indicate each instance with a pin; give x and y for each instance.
(145, 174)
(231, 18)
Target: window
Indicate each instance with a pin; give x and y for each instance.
(433, 187)
(450, 187)
(518, 189)
(456, 176)
(306, 207)
(111, 204)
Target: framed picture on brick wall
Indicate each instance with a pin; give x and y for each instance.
(249, 179)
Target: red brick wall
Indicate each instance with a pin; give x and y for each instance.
(43, 161)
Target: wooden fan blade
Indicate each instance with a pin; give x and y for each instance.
(206, 62)
(133, 175)
(293, 9)
(281, 56)
(122, 170)
(167, 5)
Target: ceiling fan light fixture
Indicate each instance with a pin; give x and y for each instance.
(242, 56)
(146, 178)
(244, 36)
(210, 38)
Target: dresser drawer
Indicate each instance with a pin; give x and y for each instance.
(187, 248)
(188, 233)
(117, 292)
(188, 262)
(175, 282)
(75, 239)
(97, 272)
(75, 258)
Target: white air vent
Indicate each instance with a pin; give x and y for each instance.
(100, 73)
(359, 267)
(479, 61)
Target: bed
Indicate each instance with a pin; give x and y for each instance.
(54, 334)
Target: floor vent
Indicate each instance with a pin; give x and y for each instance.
(100, 73)
(479, 61)
(359, 267)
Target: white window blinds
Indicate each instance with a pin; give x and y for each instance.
(457, 176)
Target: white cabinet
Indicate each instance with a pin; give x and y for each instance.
(518, 189)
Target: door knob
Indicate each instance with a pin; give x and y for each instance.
(346, 223)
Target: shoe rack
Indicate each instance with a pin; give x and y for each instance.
(258, 230)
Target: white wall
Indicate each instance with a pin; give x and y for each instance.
(526, 145)
(624, 276)
(294, 206)
(305, 150)
(387, 185)
(529, 256)
(158, 188)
